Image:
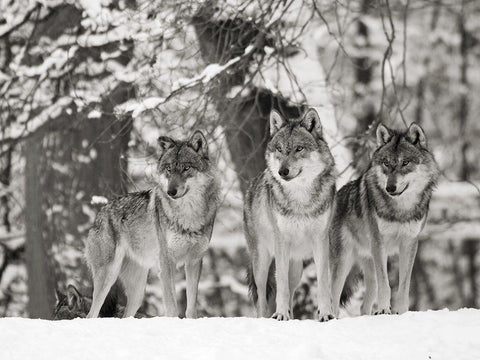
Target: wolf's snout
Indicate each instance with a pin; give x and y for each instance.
(172, 192)
(391, 189)
(283, 172)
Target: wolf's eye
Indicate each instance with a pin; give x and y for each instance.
(168, 168)
(386, 163)
(186, 168)
(278, 148)
(299, 148)
(405, 162)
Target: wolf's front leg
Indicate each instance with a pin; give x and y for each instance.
(193, 269)
(282, 260)
(380, 260)
(321, 258)
(167, 281)
(261, 261)
(408, 251)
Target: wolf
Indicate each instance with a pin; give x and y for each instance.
(382, 213)
(72, 304)
(157, 229)
(287, 213)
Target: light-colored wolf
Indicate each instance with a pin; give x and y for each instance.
(381, 213)
(159, 228)
(287, 213)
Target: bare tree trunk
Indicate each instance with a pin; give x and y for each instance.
(457, 274)
(464, 102)
(470, 245)
(470, 249)
(365, 113)
(41, 283)
(5, 180)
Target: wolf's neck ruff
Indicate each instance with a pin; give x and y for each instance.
(320, 194)
(412, 205)
(191, 214)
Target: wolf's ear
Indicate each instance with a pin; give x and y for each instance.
(383, 134)
(199, 143)
(276, 121)
(74, 298)
(416, 135)
(165, 143)
(311, 122)
(59, 296)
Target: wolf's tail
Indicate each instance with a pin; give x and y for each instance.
(110, 305)
(351, 284)
(252, 286)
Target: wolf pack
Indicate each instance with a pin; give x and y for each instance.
(292, 212)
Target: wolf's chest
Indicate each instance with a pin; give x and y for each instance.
(301, 231)
(393, 232)
(180, 244)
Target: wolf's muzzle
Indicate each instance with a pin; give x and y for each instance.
(283, 172)
(391, 189)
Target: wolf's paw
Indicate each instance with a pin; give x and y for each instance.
(191, 314)
(324, 317)
(281, 315)
(399, 310)
(383, 312)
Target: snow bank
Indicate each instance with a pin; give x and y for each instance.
(421, 335)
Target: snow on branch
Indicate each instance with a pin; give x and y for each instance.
(98, 200)
(19, 20)
(22, 130)
(211, 72)
(138, 107)
(56, 61)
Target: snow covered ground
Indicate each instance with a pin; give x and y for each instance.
(415, 335)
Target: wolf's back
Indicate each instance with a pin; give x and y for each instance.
(110, 224)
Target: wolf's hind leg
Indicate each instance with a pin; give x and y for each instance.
(193, 269)
(261, 261)
(341, 264)
(294, 276)
(134, 280)
(370, 286)
(103, 279)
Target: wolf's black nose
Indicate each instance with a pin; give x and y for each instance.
(391, 189)
(172, 192)
(283, 172)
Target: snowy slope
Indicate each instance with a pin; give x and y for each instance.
(422, 335)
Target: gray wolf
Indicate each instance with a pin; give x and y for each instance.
(381, 213)
(287, 213)
(72, 304)
(157, 229)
